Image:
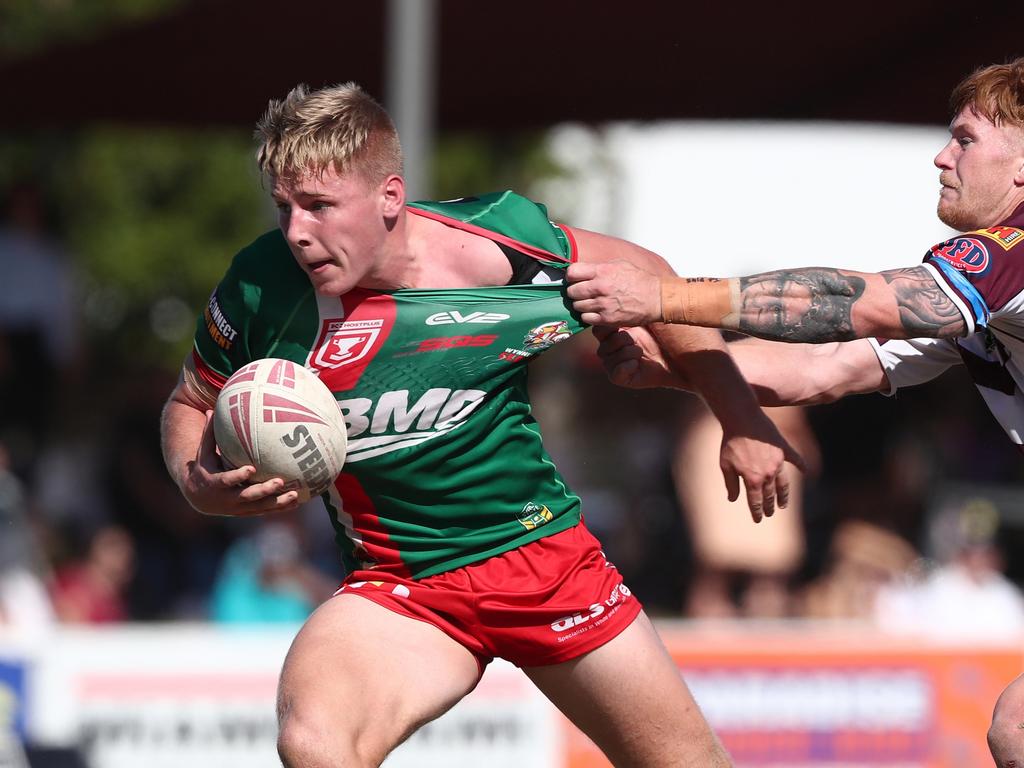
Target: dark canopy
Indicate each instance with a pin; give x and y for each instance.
(529, 63)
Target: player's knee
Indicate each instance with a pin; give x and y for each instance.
(310, 742)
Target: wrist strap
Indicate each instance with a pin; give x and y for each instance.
(697, 301)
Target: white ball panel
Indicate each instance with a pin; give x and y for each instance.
(279, 417)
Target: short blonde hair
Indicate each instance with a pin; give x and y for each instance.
(340, 127)
(995, 92)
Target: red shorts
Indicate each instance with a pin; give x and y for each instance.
(546, 602)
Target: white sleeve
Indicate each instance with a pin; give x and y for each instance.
(908, 362)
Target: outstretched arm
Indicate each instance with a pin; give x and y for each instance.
(808, 374)
(752, 449)
(780, 374)
(812, 305)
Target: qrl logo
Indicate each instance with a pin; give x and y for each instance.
(967, 254)
(345, 342)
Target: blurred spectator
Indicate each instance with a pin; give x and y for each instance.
(863, 559)
(967, 582)
(264, 578)
(37, 328)
(179, 550)
(24, 602)
(92, 590)
(614, 448)
(741, 568)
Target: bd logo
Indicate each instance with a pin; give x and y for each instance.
(967, 254)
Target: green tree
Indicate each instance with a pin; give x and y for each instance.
(151, 219)
(29, 25)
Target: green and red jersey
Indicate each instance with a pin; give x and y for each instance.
(445, 464)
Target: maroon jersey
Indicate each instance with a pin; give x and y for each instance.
(982, 272)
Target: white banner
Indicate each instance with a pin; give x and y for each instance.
(204, 697)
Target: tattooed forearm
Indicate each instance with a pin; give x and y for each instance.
(802, 305)
(925, 310)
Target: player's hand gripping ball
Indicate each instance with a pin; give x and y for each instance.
(280, 418)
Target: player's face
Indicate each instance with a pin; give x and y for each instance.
(336, 226)
(980, 172)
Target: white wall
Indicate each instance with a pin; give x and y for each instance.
(724, 199)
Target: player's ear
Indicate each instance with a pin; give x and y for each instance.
(1018, 176)
(393, 195)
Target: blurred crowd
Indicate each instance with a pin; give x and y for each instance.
(905, 519)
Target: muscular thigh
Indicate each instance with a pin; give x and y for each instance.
(630, 699)
(366, 677)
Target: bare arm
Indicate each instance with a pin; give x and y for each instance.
(186, 437)
(780, 374)
(808, 374)
(812, 305)
(753, 448)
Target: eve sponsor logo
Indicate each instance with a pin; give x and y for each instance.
(454, 316)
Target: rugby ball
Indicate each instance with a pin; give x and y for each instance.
(280, 418)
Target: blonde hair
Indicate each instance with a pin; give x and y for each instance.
(340, 127)
(995, 92)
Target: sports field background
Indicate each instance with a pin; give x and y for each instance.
(730, 140)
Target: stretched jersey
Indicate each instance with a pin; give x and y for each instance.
(982, 272)
(445, 464)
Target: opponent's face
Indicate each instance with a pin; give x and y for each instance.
(982, 172)
(337, 226)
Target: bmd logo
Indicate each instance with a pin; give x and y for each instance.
(398, 420)
(967, 254)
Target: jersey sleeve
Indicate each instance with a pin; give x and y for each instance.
(909, 362)
(509, 219)
(982, 272)
(243, 315)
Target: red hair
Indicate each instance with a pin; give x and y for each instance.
(995, 92)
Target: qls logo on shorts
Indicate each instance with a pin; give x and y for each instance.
(619, 595)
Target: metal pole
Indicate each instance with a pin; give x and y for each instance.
(410, 90)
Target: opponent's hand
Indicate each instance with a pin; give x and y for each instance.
(213, 490)
(614, 293)
(631, 358)
(758, 456)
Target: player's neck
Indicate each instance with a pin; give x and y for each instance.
(396, 265)
(434, 255)
(1016, 207)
